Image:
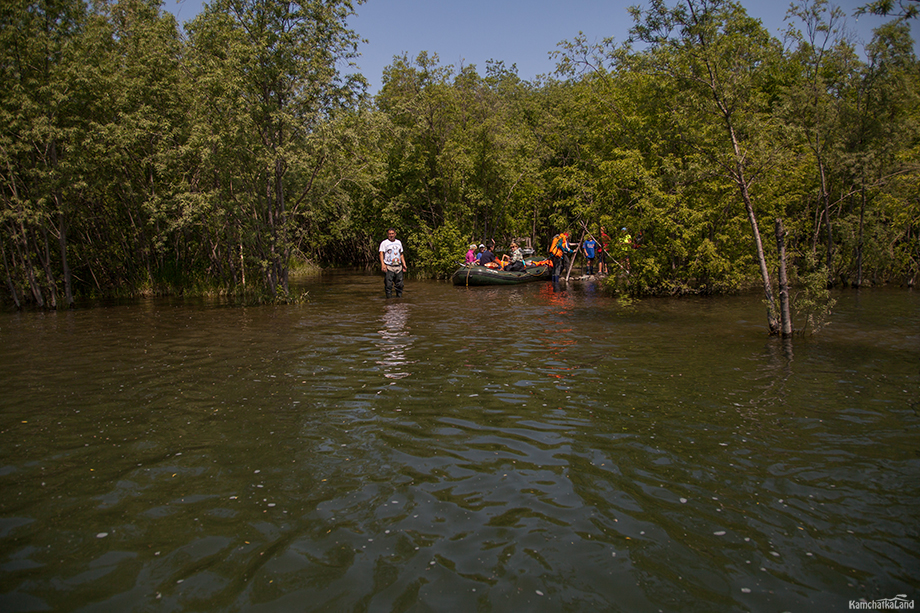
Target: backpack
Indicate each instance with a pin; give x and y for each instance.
(555, 247)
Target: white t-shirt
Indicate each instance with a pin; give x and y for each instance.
(391, 251)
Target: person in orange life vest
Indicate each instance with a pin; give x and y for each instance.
(557, 250)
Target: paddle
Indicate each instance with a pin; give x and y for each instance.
(577, 248)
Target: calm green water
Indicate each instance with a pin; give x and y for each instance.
(462, 449)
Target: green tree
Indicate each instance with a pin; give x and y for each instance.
(37, 115)
(902, 9)
(461, 163)
(96, 118)
(726, 66)
(881, 145)
(814, 102)
(131, 150)
(269, 81)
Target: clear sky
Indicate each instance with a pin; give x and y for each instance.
(521, 32)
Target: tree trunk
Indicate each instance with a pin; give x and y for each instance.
(30, 269)
(785, 313)
(285, 248)
(574, 255)
(772, 320)
(65, 266)
(825, 198)
(859, 242)
(9, 278)
(62, 234)
(742, 182)
(45, 257)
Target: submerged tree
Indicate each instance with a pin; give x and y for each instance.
(133, 159)
(723, 62)
(94, 115)
(461, 161)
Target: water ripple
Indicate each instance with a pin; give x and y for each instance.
(357, 453)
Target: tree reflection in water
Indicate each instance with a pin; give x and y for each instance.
(395, 338)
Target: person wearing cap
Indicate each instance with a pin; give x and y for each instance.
(471, 255)
(393, 264)
(479, 253)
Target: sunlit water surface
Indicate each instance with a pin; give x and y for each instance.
(459, 449)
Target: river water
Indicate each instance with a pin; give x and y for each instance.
(459, 449)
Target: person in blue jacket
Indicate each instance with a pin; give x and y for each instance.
(589, 248)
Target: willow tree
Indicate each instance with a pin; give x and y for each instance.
(725, 66)
(37, 116)
(421, 106)
(127, 210)
(268, 81)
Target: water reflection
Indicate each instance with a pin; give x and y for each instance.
(395, 340)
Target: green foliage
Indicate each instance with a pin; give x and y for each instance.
(268, 87)
(903, 9)
(438, 252)
(134, 159)
(812, 301)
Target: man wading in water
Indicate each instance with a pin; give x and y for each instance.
(392, 263)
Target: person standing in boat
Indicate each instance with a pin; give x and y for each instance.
(393, 264)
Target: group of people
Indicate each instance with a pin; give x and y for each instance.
(483, 255)
(393, 257)
(592, 250)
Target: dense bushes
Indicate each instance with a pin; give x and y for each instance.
(138, 160)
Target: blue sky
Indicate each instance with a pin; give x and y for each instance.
(521, 32)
